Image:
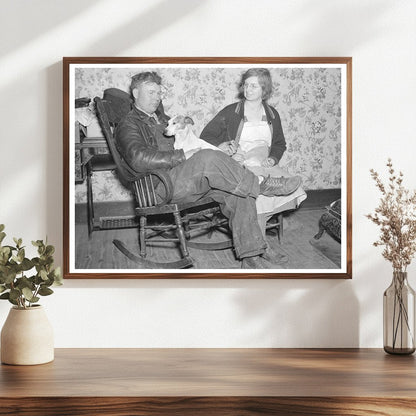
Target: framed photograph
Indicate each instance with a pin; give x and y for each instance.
(207, 167)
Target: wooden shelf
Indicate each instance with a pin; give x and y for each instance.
(212, 382)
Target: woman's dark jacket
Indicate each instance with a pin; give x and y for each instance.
(228, 124)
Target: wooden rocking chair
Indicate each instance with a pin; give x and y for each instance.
(179, 222)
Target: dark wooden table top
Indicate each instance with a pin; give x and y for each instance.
(262, 377)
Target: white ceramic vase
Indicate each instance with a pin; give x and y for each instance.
(27, 337)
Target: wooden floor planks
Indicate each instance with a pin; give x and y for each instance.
(98, 252)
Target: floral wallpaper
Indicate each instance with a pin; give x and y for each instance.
(307, 99)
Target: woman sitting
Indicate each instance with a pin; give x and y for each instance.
(250, 131)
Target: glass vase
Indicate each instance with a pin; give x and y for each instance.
(399, 316)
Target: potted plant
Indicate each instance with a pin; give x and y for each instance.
(27, 336)
(396, 217)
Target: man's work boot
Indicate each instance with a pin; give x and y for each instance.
(275, 258)
(255, 262)
(264, 261)
(280, 186)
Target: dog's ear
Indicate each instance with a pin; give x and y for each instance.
(188, 120)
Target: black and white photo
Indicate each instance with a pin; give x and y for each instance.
(207, 167)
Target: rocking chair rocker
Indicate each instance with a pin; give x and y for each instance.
(162, 221)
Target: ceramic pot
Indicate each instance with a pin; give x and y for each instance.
(27, 337)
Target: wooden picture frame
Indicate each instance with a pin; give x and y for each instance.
(313, 96)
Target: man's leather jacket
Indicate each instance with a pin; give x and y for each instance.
(139, 140)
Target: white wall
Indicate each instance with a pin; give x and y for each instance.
(380, 35)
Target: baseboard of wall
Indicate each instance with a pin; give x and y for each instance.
(104, 209)
(320, 198)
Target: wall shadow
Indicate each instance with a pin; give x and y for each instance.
(45, 16)
(54, 168)
(157, 18)
(301, 313)
(337, 18)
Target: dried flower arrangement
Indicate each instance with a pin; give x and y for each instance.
(396, 216)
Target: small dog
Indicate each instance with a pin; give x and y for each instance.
(185, 138)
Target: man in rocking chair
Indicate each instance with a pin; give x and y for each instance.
(140, 141)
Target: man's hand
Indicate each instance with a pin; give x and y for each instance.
(229, 147)
(238, 157)
(268, 163)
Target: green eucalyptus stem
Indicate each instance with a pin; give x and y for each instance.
(17, 284)
(21, 302)
(35, 293)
